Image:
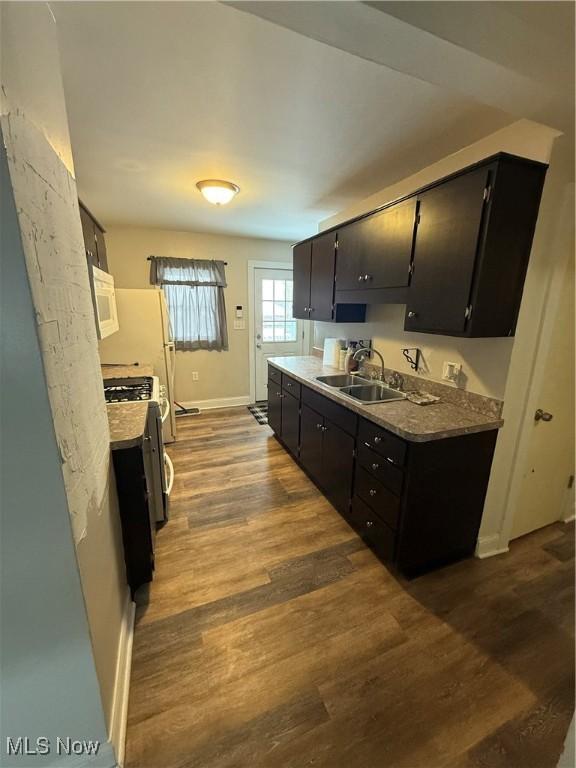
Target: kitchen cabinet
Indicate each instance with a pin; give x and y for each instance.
(284, 408)
(454, 252)
(375, 255)
(275, 405)
(327, 446)
(94, 242)
(291, 414)
(133, 470)
(472, 250)
(417, 504)
(314, 273)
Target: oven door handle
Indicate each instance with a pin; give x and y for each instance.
(166, 410)
(170, 466)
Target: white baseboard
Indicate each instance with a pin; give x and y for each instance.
(217, 402)
(569, 519)
(488, 546)
(122, 682)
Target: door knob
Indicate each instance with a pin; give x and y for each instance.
(541, 415)
(258, 346)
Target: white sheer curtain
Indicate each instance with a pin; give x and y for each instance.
(194, 290)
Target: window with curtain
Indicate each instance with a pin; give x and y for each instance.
(194, 290)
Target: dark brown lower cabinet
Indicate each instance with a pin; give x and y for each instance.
(134, 484)
(291, 422)
(275, 406)
(417, 505)
(311, 424)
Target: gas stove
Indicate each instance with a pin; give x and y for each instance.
(131, 389)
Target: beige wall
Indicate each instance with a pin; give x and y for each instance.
(221, 375)
(485, 362)
(35, 128)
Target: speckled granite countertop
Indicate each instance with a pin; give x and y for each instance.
(126, 371)
(127, 423)
(417, 423)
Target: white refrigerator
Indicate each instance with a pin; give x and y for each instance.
(144, 336)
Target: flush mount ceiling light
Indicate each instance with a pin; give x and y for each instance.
(217, 191)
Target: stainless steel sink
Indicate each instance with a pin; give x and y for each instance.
(341, 380)
(373, 393)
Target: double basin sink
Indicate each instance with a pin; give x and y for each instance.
(364, 390)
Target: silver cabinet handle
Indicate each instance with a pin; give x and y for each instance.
(389, 460)
(318, 426)
(375, 466)
(367, 277)
(377, 439)
(324, 429)
(369, 524)
(305, 309)
(541, 415)
(360, 278)
(411, 314)
(372, 492)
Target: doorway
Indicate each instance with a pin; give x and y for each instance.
(273, 330)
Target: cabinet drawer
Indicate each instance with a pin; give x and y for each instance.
(382, 501)
(388, 474)
(274, 374)
(338, 415)
(291, 386)
(386, 444)
(375, 532)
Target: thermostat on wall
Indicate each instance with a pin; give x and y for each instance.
(239, 311)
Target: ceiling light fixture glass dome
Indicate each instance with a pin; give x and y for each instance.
(217, 191)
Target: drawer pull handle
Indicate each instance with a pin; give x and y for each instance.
(324, 429)
(360, 278)
(375, 466)
(318, 426)
(288, 384)
(377, 439)
(389, 460)
(372, 492)
(369, 524)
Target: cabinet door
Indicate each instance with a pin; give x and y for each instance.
(311, 424)
(375, 252)
(291, 423)
(275, 407)
(301, 265)
(450, 218)
(337, 465)
(89, 237)
(322, 277)
(101, 248)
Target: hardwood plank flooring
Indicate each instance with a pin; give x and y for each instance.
(271, 636)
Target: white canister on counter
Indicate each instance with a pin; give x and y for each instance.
(342, 360)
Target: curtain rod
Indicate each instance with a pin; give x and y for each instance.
(149, 258)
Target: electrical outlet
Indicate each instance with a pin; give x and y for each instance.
(451, 371)
(194, 375)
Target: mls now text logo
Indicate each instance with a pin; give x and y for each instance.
(23, 745)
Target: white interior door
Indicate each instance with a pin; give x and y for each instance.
(546, 486)
(276, 333)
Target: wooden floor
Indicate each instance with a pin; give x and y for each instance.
(271, 637)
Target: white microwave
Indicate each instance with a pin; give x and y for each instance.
(104, 303)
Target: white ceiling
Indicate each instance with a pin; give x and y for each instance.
(163, 94)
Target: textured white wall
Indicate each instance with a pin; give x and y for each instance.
(35, 133)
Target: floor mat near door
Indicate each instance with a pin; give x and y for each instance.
(260, 412)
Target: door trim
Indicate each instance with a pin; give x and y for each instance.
(252, 266)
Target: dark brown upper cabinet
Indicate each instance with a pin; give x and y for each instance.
(472, 247)
(375, 255)
(314, 269)
(94, 243)
(455, 252)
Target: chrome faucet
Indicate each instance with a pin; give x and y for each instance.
(365, 352)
